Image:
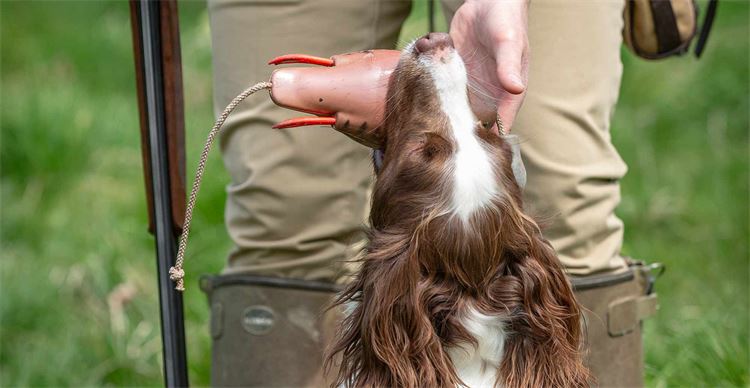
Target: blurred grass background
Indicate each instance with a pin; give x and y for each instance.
(78, 301)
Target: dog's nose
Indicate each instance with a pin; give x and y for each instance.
(432, 41)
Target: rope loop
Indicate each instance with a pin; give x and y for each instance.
(500, 126)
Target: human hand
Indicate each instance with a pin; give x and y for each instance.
(491, 37)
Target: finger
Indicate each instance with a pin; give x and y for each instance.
(509, 58)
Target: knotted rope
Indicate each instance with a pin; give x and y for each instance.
(176, 273)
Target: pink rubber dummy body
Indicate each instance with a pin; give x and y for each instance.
(347, 91)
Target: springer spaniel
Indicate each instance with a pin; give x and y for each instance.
(457, 285)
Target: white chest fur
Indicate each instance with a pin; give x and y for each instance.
(477, 366)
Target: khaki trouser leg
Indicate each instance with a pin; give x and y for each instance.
(573, 168)
(297, 200)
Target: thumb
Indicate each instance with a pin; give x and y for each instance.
(509, 57)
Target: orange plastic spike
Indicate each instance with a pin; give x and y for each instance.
(304, 121)
(301, 58)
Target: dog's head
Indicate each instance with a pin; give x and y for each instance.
(448, 230)
(440, 171)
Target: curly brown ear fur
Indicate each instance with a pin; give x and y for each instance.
(544, 345)
(388, 339)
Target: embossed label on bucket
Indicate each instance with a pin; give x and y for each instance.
(258, 319)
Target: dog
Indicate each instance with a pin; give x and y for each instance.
(457, 286)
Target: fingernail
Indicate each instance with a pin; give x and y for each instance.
(517, 80)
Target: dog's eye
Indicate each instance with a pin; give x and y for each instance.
(434, 146)
(430, 150)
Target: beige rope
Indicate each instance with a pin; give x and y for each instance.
(176, 273)
(500, 126)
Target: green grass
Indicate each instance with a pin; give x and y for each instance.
(73, 221)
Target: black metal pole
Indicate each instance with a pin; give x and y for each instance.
(431, 15)
(170, 300)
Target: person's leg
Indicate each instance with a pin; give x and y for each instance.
(574, 171)
(573, 168)
(297, 199)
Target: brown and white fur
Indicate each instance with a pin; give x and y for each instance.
(457, 285)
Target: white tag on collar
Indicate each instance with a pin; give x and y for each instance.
(519, 170)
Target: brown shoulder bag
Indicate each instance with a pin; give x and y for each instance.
(656, 29)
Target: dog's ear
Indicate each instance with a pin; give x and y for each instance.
(387, 339)
(544, 346)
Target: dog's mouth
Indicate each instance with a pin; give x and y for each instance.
(435, 46)
(436, 55)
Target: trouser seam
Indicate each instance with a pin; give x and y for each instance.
(376, 18)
